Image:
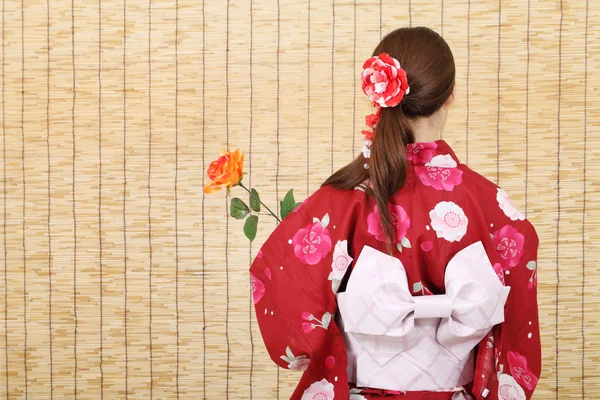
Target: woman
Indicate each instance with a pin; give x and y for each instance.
(407, 275)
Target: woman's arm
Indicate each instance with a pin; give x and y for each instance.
(509, 359)
(293, 291)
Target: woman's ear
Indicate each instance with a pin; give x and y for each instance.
(450, 99)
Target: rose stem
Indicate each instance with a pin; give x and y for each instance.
(264, 205)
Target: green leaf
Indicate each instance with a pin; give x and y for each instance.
(417, 287)
(531, 265)
(250, 227)
(287, 204)
(399, 247)
(297, 205)
(255, 200)
(239, 209)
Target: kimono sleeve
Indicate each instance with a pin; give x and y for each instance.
(509, 359)
(293, 286)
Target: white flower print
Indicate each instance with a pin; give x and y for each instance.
(339, 266)
(509, 389)
(320, 390)
(449, 221)
(507, 206)
(299, 363)
(442, 160)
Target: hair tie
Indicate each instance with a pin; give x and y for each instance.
(384, 81)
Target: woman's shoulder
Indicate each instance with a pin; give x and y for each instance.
(329, 194)
(333, 202)
(476, 181)
(495, 203)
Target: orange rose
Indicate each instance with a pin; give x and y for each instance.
(225, 172)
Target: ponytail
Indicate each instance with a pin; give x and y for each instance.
(388, 169)
(389, 163)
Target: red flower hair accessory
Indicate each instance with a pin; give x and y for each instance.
(384, 81)
(386, 85)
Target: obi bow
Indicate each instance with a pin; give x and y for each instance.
(378, 301)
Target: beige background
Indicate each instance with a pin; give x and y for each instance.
(121, 279)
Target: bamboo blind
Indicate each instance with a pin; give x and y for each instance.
(121, 279)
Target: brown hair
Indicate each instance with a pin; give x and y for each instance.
(429, 65)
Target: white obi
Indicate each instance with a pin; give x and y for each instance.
(399, 342)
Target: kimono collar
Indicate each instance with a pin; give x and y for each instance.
(421, 153)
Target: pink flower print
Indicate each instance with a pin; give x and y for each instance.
(421, 152)
(307, 316)
(320, 390)
(509, 245)
(399, 218)
(307, 327)
(518, 368)
(311, 322)
(439, 178)
(311, 243)
(258, 288)
(500, 272)
(440, 173)
(509, 389)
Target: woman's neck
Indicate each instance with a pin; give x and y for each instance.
(428, 129)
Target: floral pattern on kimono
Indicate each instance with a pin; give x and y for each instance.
(308, 257)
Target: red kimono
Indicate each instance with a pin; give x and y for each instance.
(443, 208)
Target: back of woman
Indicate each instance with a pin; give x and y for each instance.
(406, 275)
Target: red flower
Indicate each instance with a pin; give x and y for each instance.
(368, 134)
(372, 119)
(519, 370)
(384, 81)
